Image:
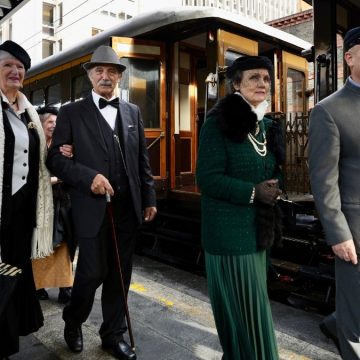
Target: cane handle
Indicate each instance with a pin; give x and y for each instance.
(108, 198)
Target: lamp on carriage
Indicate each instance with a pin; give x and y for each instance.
(211, 36)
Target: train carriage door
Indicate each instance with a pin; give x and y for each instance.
(194, 59)
(185, 137)
(294, 83)
(294, 103)
(143, 83)
(186, 104)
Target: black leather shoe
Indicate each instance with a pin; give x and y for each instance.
(64, 295)
(73, 337)
(329, 335)
(121, 350)
(42, 294)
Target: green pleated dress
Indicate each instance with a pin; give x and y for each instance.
(238, 295)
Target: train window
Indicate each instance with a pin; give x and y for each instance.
(295, 86)
(231, 56)
(54, 94)
(80, 87)
(37, 98)
(141, 85)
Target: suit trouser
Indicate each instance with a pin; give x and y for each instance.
(97, 265)
(347, 308)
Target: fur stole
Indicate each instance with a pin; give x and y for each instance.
(236, 120)
(235, 117)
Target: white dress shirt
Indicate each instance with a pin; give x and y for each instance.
(108, 112)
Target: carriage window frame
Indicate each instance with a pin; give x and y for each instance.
(34, 95)
(295, 95)
(85, 86)
(141, 85)
(53, 94)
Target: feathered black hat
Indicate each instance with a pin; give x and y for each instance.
(247, 63)
(48, 109)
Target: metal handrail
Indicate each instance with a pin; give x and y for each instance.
(156, 140)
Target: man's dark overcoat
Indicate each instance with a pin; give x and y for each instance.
(78, 124)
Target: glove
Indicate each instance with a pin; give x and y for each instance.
(267, 192)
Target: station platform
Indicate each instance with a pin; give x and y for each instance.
(172, 320)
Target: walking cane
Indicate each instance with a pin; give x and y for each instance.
(123, 293)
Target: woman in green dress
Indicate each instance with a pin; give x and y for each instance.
(238, 171)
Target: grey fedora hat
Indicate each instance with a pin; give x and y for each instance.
(104, 55)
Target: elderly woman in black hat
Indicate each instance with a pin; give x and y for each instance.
(26, 204)
(238, 173)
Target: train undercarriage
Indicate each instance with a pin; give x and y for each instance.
(301, 271)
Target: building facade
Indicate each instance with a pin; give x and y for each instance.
(45, 27)
(55, 25)
(262, 10)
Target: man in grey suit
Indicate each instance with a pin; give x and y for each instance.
(109, 156)
(334, 161)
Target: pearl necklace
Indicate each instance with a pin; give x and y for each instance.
(255, 143)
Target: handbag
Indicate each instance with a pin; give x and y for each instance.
(9, 276)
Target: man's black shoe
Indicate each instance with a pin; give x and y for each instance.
(121, 350)
(329, 335)
(64, 295)
(73, 337)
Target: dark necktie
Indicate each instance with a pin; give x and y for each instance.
(113, 102)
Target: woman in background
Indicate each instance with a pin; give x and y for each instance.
(237, 172)
(56, 269)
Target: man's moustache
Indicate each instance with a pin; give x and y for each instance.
(105, 83)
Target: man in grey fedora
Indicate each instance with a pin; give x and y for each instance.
(109, 156)
(334, 161)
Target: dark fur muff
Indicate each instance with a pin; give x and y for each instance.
(268, 226)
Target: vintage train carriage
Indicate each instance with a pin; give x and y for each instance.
(175, 61)
(175, 72)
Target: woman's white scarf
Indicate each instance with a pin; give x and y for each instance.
(41, 245)
(259, 110)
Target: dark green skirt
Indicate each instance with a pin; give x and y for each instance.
(240, 303)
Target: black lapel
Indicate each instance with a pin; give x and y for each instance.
(124, 117)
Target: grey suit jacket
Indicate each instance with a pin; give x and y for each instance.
(334, 161)
(77, 124)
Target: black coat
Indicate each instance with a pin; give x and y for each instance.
(77, 124)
